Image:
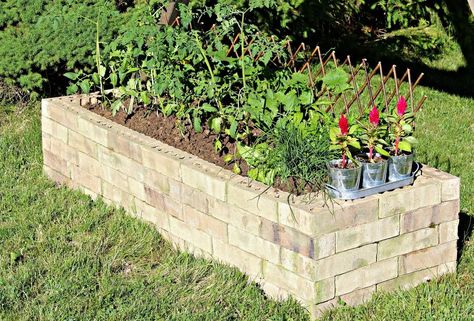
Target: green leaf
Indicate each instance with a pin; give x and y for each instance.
(228, 158)
(412, 140)
(405, 146)
(197, 124)
(233, 129)
(216, 124)
(85, 86)
(113, 79)
(71, 75)
(379, 149)
(217, 145)
(207, 107)
(333, 132)
(236, 169)
(354, 143)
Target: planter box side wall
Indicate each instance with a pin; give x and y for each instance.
(383, 242)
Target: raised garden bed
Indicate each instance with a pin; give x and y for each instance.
(290, 245)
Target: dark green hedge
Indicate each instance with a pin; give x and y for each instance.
(40, 39)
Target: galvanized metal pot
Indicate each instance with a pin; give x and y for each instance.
(344, 179)
(374, 174)
(399, 167)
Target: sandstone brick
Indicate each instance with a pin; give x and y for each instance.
(190, 234)
(173, 207)
(359, 296)
(447, 268)
(397, 202)
(317, 310)
(93, 195)
(288, 238)
(367, 276)
(121, 163)
(204, 181)
(450, 185)
(157, 181)
(90, 165)
(155, 198)
(206, 223)
(248, 263)
(59, 114)
(367, 233)
(81, 143)
(54, 129)
(331, 266)
(46, 140)
(429, 216)
(80, 177)
(427, 193)
(114, 177)
(274, 291)
(64, 151)
(152, 215)
(92, 130)
(175, 189)
(407, 281)
(407, 243)
(124, 145)
(343, 215)
(251, 199)
(55, 162)
(301, 288)
(157, 160)
(136, 189)
(235, 216)
(254, 245)
(55, 176)
(427, 258)
(448, 231)
(118, 196)
(194, 198)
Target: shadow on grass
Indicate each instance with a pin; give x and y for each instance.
(465, 229)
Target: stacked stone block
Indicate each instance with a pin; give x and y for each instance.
(302, 247)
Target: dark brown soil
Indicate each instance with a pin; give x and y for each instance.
(170, 131)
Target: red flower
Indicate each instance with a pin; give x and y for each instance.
(374, 116)
(401, 106)
(343, 125)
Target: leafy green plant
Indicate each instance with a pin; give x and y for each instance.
(342, 140)
(401, 128)
(373, 134)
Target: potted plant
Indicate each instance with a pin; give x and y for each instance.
(401, 151)
(374, 166)
(344, 172)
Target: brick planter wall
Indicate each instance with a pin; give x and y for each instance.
(395, 239)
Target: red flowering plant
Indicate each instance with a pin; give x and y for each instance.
(341, 139)
(372, 134)
(401, 128)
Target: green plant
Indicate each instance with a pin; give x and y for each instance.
(342, 140)
(43, 39)
(373, 134)
(401, 128)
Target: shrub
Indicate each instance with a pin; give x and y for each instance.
(41, 39)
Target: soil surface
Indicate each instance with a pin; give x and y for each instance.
(170, 131)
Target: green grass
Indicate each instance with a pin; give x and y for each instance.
(65, 257)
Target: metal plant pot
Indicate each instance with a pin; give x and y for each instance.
(399, 167)
(344, 179)
(374, 174)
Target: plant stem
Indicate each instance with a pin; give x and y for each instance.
(242, 43)
(208, 65)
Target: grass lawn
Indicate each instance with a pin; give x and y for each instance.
(65, 257)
